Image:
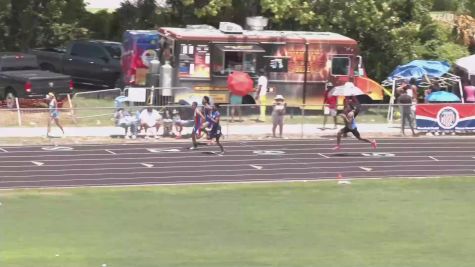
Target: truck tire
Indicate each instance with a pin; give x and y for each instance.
(10, 98)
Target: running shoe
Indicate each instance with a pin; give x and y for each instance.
(337, 148)
(193, 148)
(374, 145)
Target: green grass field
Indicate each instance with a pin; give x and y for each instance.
(368, 223)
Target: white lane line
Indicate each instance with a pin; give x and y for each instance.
(112, 152)
(205, 177)
(37, 163)
(256, 167)
(146, 165)
(433, 158)
(3, 150)
(327, 157)
(178, 156)
(434, 145)
(148, 158)
(366, 169)
(205, 170)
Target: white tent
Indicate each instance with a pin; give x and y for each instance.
(467, 66)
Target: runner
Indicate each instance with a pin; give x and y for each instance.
(198, 123)
(207, 108)
(53, 113)
(350, 126)
(215, 127)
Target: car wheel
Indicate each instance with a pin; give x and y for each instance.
(10, 99)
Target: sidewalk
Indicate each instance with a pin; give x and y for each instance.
(229, 130)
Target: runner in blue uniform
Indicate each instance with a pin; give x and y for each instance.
(215, 127)
(350, 127)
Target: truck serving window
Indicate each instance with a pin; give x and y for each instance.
(236, 57)
(341, 66)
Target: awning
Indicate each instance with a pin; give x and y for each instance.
(250, 48)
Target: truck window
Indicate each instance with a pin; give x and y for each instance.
(341, 66)
(87, 51)
(115, 51)
(239, 61)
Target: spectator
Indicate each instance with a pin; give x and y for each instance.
(261, 95)
(179, 123)
(125, 120)
(278, 113)
(53, 113)
(405, 102)
(167, 122)
(330, 106)
(235, 101)
(150, 118)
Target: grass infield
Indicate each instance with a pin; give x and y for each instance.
(368, 223)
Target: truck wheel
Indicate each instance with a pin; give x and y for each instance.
(10, 99)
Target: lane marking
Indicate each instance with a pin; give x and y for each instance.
(433, 158)
(217, 153)
(235, 175)
(55, 148)
(3, 150)
(147, 165)
(256, 167)
(194, 170)
(37, 163)
(378, 154)
(337, 160)
(112, 152)
(327, 157)
(366, 169)
(268, 152)
(155, 150)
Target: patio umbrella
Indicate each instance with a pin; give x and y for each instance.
(348, 89)
(240, 83)
(443, 96)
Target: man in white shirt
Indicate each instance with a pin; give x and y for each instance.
(261, 96)
(150, 118)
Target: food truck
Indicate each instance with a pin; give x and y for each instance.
(297, 64)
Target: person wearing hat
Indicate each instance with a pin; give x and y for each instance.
(53, 113)
(329, 106)
(278, 112)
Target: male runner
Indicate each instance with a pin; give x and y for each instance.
(350, 126)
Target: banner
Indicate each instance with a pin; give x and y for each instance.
(445, 117)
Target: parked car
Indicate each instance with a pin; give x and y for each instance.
(21, 77)
(89, 62)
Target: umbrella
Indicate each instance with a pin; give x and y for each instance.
(443, 96)
(348, 89)
(240, 83)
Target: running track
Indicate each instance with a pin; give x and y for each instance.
(245, 161)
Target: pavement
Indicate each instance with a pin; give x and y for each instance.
(229, 130)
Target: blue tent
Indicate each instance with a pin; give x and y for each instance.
(418, 68)
(442, 96)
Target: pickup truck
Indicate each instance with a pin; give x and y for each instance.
(21, 77)
(89, 62)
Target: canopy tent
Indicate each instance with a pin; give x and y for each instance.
(466, 65)
(419, 69)
(425, 72)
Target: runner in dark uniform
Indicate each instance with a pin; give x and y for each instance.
(350, 127)
(215, 127)
(198, 118)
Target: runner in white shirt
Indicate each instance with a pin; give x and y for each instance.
(150, 118)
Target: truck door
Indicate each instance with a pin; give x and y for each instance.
(85, 62)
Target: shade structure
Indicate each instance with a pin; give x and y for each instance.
(240, 83)
(443, 96)
(348, 89)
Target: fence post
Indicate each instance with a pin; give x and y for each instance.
(227, 121)
(303, 121)
(71, 109)
(18, 111)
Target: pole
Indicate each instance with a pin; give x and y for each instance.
(71, 108)
(18, 111)
(461, 90)
(305, 74)
(303, 121)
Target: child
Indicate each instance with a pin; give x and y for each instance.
(53, 113)
(278, 113)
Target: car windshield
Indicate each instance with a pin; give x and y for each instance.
(115, 50)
